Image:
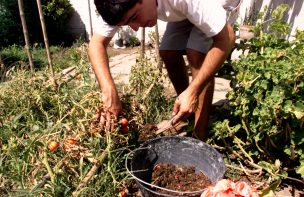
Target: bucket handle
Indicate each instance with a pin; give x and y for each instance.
(149, 184)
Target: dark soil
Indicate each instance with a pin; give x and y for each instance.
(147, 132)
(178, 178)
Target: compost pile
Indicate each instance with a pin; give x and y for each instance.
(179, 178)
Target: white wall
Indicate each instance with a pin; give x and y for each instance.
(294, 16)
(80, 24)
(84, 22)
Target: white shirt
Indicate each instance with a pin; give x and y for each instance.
(207, 15)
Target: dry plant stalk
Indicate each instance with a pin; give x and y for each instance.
(92, 171)
(97, 162)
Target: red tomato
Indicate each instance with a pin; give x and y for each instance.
(53, 145)
(124, 122)
(124, 130)
(122, 194)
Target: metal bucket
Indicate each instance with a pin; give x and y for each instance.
(178, 151)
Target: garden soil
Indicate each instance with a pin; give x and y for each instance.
(178, 178)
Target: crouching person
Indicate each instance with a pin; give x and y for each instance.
(196, 28)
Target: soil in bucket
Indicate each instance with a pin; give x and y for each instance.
(178, 151)
(179, 178)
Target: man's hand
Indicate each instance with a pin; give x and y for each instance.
(106, 116)
(187, 101)
(103, 121)
(111, 101)
(100, 64)
(185, 104)
(112, 106)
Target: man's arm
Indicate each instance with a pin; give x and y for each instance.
(223, 42)
(100, 63)
(186, 103)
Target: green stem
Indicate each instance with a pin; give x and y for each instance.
(238, 142)
(226, 144)
(259, 148)
(46, 163)
(243, 169)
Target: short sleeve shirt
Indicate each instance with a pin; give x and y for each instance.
(207, 15)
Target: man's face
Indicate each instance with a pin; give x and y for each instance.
(143, 14)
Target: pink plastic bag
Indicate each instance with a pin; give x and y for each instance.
(228, 188)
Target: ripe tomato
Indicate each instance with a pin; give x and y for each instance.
(122, 194)
(53, 145)
(124, 130)
(71, 141)
(124, 122)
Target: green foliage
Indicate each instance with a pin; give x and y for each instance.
(267, 102)
(57, 15)
(278, 26)
(15, 56)
(274, 24)
(56, 12)
(133, 41)
(10, 24)
(32, 113)
(147, 83)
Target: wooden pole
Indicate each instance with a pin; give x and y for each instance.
(90, 19)
(45, 37)
(158, 59)
(142, 43)
(26, 36)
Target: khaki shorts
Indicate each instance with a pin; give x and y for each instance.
(183, 34)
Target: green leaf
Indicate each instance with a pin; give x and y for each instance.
(264, 84)
(300, 169)
(299, 110)
(270, 191)
(267, 166)
(268, 75)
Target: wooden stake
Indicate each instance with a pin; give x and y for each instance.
(158, 59)
(142, 43)
(26, 36)
(45, 37)
(90, 19)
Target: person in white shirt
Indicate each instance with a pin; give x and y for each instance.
(197, 28)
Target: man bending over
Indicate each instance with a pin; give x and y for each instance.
(197, 28)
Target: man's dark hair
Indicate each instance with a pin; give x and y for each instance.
(113, 11)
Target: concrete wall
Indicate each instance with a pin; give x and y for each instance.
(84, 20)
(294, 16)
